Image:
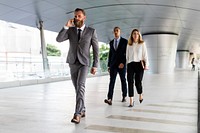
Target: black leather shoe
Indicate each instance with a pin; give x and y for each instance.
(124, 99)
(109, 102)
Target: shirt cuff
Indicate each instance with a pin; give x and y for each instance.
(66, 28)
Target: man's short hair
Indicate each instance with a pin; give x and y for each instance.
(79, 9)
(116, 28)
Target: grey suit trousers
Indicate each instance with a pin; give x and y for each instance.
(78, 75)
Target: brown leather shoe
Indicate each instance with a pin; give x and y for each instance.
(82, 114)
(109, 102)
(76, 119)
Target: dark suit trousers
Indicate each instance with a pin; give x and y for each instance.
(78, 75)
(135, 72)
(113, 75)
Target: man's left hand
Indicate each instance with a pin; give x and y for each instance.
(121, 65)
(93, 70)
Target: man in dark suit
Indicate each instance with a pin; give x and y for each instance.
(117, 64)
(80, 39)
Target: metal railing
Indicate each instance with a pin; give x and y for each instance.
(22, 68)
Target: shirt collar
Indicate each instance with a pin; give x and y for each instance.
(82, 28)
(118, 39)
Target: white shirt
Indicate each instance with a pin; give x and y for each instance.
(136, 53)
(82, 28)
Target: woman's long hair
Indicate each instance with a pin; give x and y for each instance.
(131, 40)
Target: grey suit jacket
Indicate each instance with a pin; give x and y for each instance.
(80, 49)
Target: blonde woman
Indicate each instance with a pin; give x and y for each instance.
(137, 62)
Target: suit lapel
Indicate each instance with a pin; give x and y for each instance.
(75, 31)
(112, 44)
(119, 45)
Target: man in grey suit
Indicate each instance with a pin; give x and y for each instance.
(81, 38)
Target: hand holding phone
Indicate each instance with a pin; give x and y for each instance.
(70, 23)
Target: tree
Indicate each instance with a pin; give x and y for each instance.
(103, 56)
(104, 51)
(52, 50)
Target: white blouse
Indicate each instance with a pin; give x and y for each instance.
(136, 53)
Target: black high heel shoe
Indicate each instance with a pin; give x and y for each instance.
(131, 105)
(141, 100)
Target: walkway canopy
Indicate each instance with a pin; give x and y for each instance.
(180, 17)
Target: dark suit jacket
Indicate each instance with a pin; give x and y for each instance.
(117, 56)
(80, 49)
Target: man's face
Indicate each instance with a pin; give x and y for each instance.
(79, 19)
(117, 32)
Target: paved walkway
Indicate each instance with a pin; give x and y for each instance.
(169, 106)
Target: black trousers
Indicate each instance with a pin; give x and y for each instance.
(113, 75)
(135, 73)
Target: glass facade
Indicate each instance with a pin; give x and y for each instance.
(20, 54)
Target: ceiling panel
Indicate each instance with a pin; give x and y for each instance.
(61, 2)
(150, 16)
(186, 14)
(157, 22)
(54, 14)
(160, 2)
(17, 3)
(70, 6)
(131, 1)
(12, 17)
(38, 7)
(5, 9)
(192, 4)
(102, 2)
(31, 20)
(165, 12)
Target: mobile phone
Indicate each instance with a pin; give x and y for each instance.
(74, 21)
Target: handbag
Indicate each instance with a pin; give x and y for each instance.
(143, 63)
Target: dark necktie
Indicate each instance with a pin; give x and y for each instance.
(79, 34)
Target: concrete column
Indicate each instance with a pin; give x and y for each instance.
(182, 59)
(161, 51)
(43, 49)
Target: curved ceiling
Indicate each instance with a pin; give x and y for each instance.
(180, 17)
